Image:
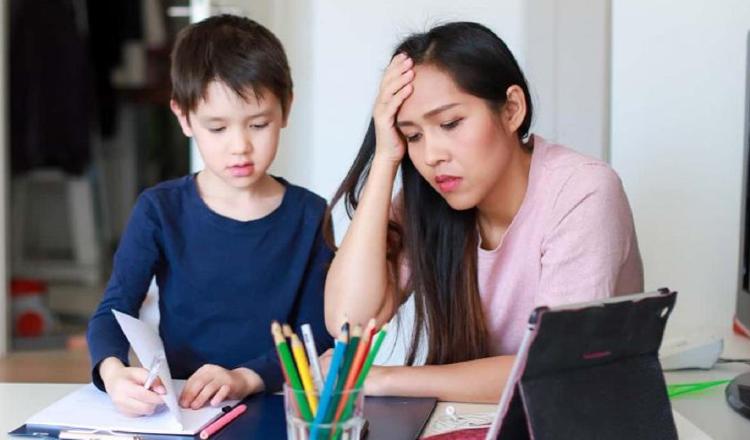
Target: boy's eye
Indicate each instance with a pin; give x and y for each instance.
(216, 130)
(452, 124)
(259, 126)
(413, 138)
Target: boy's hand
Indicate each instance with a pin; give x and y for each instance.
(216, 384)
(125, 387)
(325, 361)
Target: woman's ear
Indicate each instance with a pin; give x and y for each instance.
(514, 109)
(182, 118)
(288, 110)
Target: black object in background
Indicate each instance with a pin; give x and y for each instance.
(50, 91)
(738, 394)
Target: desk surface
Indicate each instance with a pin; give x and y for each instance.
(707, 410)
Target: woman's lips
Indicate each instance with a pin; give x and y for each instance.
(447, 183)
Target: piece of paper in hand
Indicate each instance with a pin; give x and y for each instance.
(147, 345)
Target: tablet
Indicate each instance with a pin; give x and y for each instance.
(590, 370)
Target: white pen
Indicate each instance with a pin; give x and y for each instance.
(153, 372)
(312, 355)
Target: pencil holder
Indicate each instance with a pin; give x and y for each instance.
(343, 420)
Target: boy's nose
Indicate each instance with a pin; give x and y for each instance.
(243, 144)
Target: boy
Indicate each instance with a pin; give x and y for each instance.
(232, 248)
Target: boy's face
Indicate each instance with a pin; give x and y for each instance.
(237, 138)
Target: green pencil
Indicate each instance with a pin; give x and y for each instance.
(291, 371)
(344, 371)
(378, 341)
(371, 356)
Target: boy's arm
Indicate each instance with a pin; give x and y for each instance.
(307, 310)
(134, 265)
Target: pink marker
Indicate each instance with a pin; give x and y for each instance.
(222, 421)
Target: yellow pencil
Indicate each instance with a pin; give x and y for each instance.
(304, 372)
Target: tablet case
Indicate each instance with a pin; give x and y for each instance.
(594, 373)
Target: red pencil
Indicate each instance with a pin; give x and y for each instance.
(359, 360)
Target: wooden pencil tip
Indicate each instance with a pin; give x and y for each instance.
(287, 330)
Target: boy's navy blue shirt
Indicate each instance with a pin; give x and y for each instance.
(221, 281)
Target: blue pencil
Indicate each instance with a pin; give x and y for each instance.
(328, 389)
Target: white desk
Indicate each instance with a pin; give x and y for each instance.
(19, 401)
(707, 410)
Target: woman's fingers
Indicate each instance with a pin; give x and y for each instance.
(398, 66)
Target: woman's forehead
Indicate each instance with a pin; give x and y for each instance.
(433, 89)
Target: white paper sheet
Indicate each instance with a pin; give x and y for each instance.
(147, 345)
(89, 408)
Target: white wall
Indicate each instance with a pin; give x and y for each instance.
(566, 47)
(678, 81)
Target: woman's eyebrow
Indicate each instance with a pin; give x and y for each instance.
(428, 115)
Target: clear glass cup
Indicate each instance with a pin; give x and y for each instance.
(348, 427)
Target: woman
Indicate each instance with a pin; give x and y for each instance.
(490, 221)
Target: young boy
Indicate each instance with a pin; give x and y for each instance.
(232, 248)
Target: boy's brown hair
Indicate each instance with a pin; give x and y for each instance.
(236, 51)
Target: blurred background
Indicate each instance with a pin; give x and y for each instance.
(655, 88)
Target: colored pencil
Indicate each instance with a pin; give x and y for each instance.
(312, 354)
(304, 372)
(291, 372)
(339, 351)
(377, 342)
(356, 365)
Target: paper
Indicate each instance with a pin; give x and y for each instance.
(89, 408)
(147, 345)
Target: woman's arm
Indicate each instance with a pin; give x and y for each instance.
(358, 286)
(480, 380)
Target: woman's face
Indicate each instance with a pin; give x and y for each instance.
(456, 142)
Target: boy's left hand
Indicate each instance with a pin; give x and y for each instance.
(216, 384)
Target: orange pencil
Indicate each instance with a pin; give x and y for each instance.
(356, 367)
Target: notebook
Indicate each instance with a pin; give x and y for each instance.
(91, 409)
(388, 418)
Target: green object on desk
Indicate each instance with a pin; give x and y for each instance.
(679, 389)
